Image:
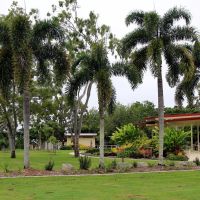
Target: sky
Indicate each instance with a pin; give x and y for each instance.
(113, 14)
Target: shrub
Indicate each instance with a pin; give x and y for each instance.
(151, 164)
(172, 156)
(69, 147)
(114, 164)
(6, 168)
(126, 134)
(174, 140)
(84, 162)
(92, 150)
(109, 152)
(171, 163)
(197, 161)
(111, 166)
(49, 166)
(83, 147)
(134, 164)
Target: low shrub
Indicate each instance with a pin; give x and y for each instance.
(151, 164)
(114, 164)
(197, 161)
(92, 150)
(109, 152)
(49, 166)
(171, 163)
(134, 164)
(83, 147)
(66, 147)
(6, 168)
(84, 162)
(177, 157)
(111, 166)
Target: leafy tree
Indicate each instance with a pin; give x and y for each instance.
(156, 36)
(39, 44)
(126, 134)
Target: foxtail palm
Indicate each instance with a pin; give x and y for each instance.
(186, 88)
(95, 67)
(155, 37)
(39, 45)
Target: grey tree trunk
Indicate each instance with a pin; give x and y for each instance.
(11, 133)
(39, 140)
(160, 116)
(79, 119)
(101, 146)
(26, 118)
(11, 140)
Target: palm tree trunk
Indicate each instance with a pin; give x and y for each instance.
(76, 135)
(101, 146)
(26, 118)
(160, 116)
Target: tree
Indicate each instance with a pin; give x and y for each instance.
(39, 44)
(88, 47)
(156, 36)
(186, 88)
(126, 134)
(95, 67)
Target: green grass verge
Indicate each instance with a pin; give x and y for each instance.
(151, 186)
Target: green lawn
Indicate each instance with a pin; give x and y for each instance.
(38, 159)
(152, 186)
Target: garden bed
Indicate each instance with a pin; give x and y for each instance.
(35, 172)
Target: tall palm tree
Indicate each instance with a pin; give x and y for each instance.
(39, 45)
(155, 37)
(95, 67)
(186, 87)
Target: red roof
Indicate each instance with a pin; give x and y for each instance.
(174, 118)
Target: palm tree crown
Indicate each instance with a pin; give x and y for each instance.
(155, 37)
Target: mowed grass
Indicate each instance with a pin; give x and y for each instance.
(38, 159)
(146, 186)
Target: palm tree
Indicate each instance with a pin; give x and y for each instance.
(155, 37)
(40, 45)
(186, 88)
(95, 67)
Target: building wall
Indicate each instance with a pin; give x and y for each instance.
(86, 141)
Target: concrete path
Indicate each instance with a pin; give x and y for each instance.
(192, 155)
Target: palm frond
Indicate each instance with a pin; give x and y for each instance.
(173, 15)
(140, 59)
(129, 42)
(135, 17)
(182, 33)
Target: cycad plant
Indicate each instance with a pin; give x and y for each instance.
(156, 38)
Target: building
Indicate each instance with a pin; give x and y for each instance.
(191, 120)
(85, 139)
